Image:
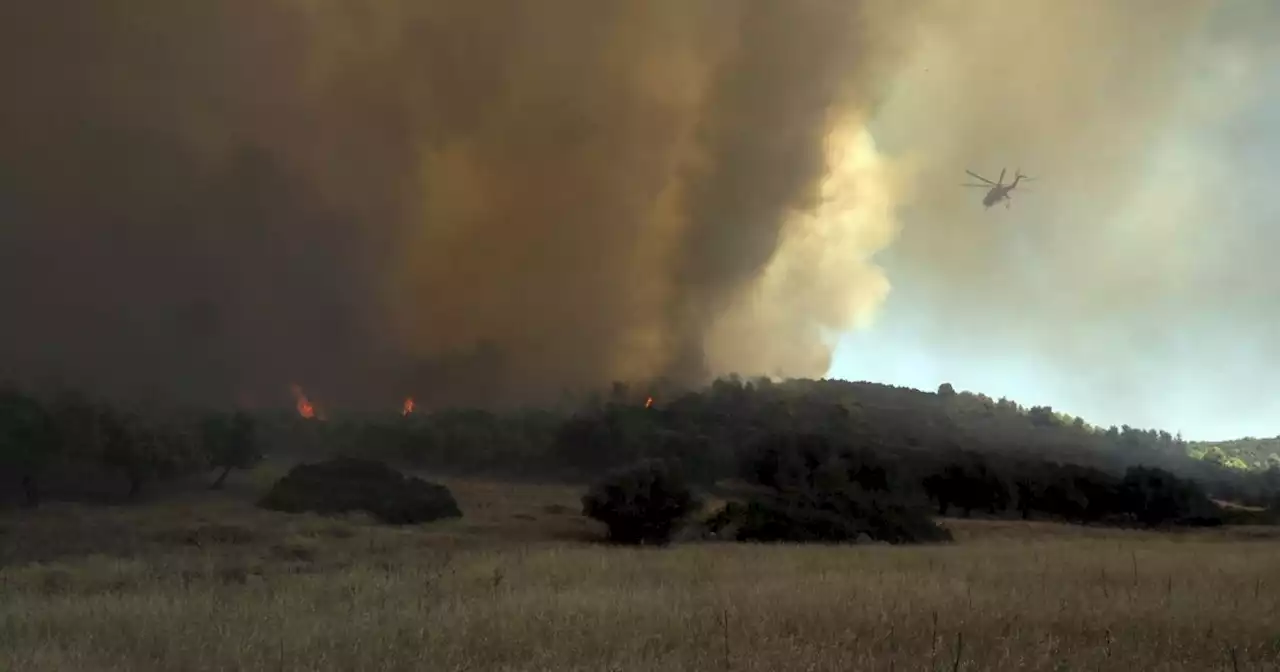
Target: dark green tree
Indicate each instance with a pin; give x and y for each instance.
(27, 440)
(230, 443)
(1156, 497)
(969, 483)
(145, 451)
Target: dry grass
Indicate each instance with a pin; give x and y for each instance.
(210, 583)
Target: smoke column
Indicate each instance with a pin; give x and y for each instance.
(467, 203)
(477, 202)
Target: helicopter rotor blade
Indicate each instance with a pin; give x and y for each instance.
(973, 174)
(1001, 180)
(980, 186)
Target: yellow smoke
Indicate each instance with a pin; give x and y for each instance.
(823, 279)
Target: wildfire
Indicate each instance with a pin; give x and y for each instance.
(648, 402)
(408, 406)
(305, 409)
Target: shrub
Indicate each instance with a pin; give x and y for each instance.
(347, 484)
(822, 492)
(641, 504)
(1215, 455)
(839, 517)
(1236, 463)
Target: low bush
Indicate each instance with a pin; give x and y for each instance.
(825, 518)
(641, 504)
(347, 484)
(815, 491)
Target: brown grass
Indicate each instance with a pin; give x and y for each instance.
(211, 583)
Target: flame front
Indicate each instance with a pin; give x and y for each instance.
(648, 402)
(305, 409)
(408, 406)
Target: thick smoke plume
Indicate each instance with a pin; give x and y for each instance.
(461, 201)
(478, 202)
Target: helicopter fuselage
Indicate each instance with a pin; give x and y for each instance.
(1000, 192)
(994, 196)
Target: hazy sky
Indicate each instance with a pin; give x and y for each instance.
(1182, 329)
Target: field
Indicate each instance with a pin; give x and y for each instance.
(208, 582)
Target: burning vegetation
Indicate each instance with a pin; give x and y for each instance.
(303, 404)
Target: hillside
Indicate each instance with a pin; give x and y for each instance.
(709, 430)
(1239, 454)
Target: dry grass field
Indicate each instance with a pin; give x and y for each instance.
(208, 582)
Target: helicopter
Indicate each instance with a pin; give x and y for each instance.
(999, 191)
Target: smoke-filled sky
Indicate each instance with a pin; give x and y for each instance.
(1135, 283)
(504, 199)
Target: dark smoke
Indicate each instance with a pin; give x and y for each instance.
(210, 201)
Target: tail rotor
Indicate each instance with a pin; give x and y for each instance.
(1019, 178)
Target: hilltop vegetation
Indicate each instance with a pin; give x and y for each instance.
(1248, 453)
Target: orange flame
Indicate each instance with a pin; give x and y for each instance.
(305, 409)
(648, 402)
(408, 406)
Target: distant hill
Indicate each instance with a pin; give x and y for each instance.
(1248, 453)
(718, 421)
(976, 421)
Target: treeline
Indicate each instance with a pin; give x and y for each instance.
(1054, 460)
(82, 443)
(963, 483)
(816, 488)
